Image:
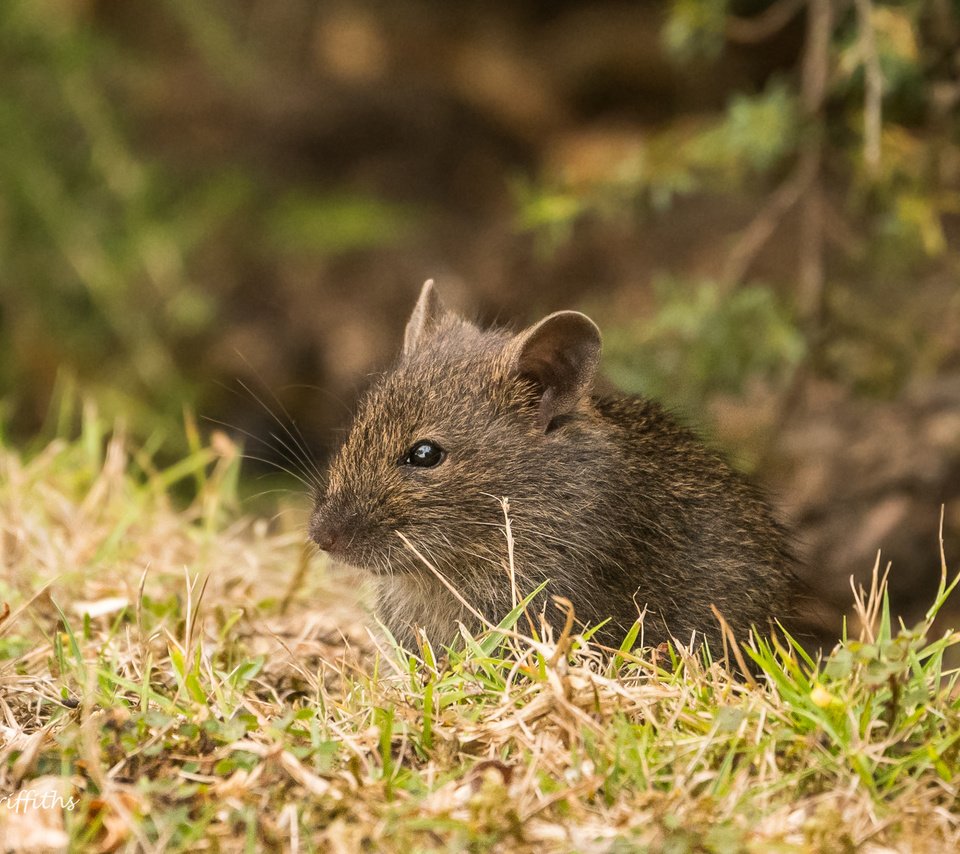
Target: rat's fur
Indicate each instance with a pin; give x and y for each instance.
(613, 502)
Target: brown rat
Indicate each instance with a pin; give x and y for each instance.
(612, 501)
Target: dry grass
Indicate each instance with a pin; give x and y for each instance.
(184, 678)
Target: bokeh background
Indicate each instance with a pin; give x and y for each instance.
(203, 202)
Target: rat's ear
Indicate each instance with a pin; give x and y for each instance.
(426, 313)
(559, 355)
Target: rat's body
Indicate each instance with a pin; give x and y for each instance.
(609, 499)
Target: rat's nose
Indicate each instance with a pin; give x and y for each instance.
(323, 533)
(324, 538)
(326, 528)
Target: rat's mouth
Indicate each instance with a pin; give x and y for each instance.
(376, 561)
(378, 550)
(347, 562)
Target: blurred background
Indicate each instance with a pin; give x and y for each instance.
(758, 202)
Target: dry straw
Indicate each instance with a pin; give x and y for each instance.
(182, 677)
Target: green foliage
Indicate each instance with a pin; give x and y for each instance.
(703, 338)
(336, 223)
(896, 33)
(696, 28)
(123, 257)
(867, 162)
(754, 136)
(93, 239)
(104, 243)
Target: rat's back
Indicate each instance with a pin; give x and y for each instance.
(698, 527)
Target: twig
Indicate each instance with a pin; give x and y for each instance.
(816, 70)
(563, 642)
(511, 564)
(446, 583)
(10, 618)
(755, 236)
(296, 580)
(511, 567)
(811, 274)
(812, 269)
(816, 55)
(943, 553)
(873, 87)
(760, 27)
(729, 637)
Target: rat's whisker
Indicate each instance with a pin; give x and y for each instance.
(283, 451)
(252, 457)
(299, 443)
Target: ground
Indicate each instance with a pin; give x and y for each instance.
(179, 674)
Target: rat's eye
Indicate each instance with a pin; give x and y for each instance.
(424, 454)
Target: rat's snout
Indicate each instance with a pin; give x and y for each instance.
(327, 527)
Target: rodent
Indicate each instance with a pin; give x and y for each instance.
(609, 498)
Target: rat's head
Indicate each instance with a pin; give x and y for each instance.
(465, 417)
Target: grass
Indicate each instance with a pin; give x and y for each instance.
(181, 677)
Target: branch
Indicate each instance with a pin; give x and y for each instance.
(816, 58)
(760, 27)
(816, 73)
(761, 228)
(873, 87)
